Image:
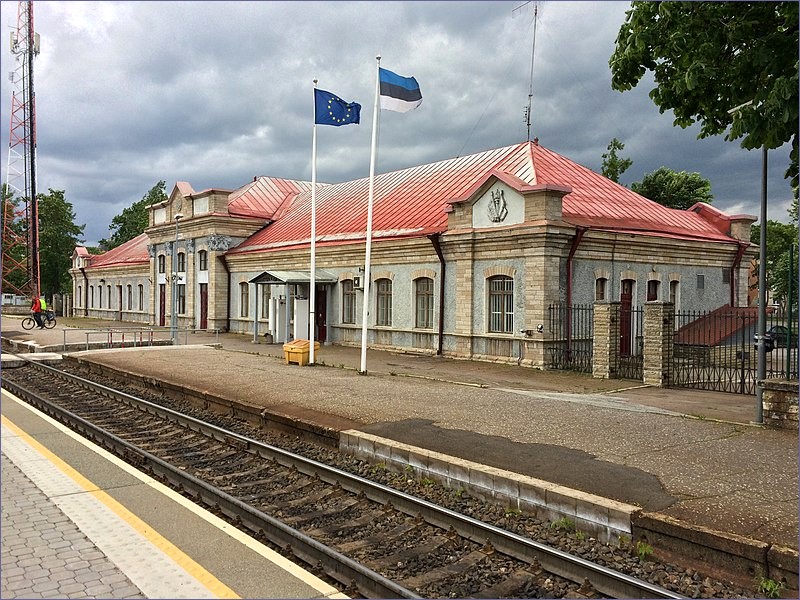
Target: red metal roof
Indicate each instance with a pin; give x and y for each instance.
(414, 202)
(264, 197)
(132, 252)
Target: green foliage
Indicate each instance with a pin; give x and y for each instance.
(780, 238)
(15, 274)
(563, 524)
(613, 166)
(711, 57)
(643, 550)
(58, 236)
(134, 219)
(674, 189)
(770, 588)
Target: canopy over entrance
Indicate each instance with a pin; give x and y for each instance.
(294, 277)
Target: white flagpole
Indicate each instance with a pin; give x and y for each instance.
(313, 284)
(365, 315)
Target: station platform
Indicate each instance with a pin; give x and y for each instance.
(686, 456)
(79, 523)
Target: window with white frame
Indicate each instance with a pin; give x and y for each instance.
(80, 296)
(501, 304)
(129, 295)
(141, 297)
(181, 262)
(673, 292)
(100, 294)
(109, 296)
(383, 297)
(244, 299)
(202, 260)
(348, 301)
(423, 301)
(162, 263)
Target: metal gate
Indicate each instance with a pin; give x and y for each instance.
(571, 331)
(716, 350)
(630, 363)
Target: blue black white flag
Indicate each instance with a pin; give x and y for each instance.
(329, 109)
(399, 93)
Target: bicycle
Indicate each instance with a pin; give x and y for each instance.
(48, 319)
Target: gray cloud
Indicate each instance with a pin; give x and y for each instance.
(214, 93)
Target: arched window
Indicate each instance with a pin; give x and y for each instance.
(600, 286)
(91, 296)
(652, 289)
(348, 301)
(100, 294)
(423, 301)
(109, 296)
(501, 304)
(383, 295)
(130, 297)
(181, 299)
(266, 295)
(162, 263)
(79, 299)
(141, 297)
(673, 291)
(202, 260)
(181, 262)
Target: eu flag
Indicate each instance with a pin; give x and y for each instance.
(329, 109)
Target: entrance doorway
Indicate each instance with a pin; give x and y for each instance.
(626, 301)
(203, 306)
(321, 316)
(162, 304)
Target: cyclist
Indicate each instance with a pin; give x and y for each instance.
(47, 313)
(36, 312)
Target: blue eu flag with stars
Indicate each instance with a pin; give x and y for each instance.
(329, 109)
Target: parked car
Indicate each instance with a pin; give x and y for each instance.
(777, 336)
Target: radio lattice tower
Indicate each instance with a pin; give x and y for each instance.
(20, 255)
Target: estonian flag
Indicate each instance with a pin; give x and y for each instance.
(399, 93)
(329, 109)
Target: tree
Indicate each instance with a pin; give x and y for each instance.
(134, 219)
(613, 166)
(780, 237)
(674, 189)
(711, 57)
(58, 236)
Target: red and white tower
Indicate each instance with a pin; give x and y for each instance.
(20, 256)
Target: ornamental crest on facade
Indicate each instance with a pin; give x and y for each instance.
(190, 246)
(497, 207)
(219, 242)
(151, 250)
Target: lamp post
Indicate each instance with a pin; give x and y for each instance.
(173, 321)
(761, 347)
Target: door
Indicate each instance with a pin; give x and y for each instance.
(162, 304)
(625, 317)
(203, 306)
(321, 316)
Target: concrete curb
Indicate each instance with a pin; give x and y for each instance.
(602, 518)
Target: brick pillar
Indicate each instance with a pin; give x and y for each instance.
(659, 329)
(463, 309)
(605, 349)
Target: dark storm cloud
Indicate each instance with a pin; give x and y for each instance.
(215, 93)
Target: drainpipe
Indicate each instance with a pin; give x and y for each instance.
(576, 240)
(736, 261)
(434, 238)
(228, 294)
(85, 292)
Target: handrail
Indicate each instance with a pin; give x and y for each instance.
(141, 336)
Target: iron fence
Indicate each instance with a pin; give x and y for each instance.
(630, 357)
(571, 340)
(717, 350)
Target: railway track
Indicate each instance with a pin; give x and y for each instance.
(374, 540)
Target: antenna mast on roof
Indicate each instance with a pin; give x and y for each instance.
(20, 254)
(527, 111)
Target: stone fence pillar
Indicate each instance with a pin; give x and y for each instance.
(780, 403)
(659, 331)
(605, 349)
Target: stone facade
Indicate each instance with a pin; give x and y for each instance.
(780, 403)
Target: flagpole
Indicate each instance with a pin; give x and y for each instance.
(312, 283)
(365, 315)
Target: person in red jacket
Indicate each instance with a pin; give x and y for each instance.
(36, 311)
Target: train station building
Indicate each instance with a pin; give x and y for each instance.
(472, 257)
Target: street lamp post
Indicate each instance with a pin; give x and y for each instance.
(173, 321)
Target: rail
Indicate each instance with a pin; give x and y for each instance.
(124, 337)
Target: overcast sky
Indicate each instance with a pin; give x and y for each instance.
(215, 93)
